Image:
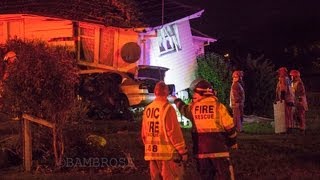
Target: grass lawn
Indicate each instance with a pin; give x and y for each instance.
(261, 154)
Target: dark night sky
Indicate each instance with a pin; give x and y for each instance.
(263, 25)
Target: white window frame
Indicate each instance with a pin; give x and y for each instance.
(168, 39)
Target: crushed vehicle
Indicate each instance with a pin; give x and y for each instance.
(111, 94)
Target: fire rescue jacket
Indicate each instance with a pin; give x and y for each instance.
(213, 129)
(161, 132)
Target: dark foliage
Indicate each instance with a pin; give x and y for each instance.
(216, 70)
(260, 84)
(42, 80)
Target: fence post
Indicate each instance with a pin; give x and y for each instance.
(27, 145)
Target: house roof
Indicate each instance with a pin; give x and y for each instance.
(118, 13)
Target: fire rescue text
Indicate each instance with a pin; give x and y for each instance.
(204, 112)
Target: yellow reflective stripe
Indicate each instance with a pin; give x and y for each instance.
(158, 156)
(205, 130)
(151, 142)
(230, 126)
(213, 155)
(180, 145)
(233, 135)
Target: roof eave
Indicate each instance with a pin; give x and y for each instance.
(192, 16)
(205, 39)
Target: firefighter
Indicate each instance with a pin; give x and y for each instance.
(165, 147)
(300, 102)
(241, 73)
(284, 93)
(237, 98)
(9, 60)
(213, 131)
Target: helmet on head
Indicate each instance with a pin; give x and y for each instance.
(282, 71)
(295, 73)
(203, 87)
(9, 55)
(161, 89)
(236, 74)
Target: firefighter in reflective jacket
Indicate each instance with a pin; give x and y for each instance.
(165, 147)
(213, 132)
(300, 102)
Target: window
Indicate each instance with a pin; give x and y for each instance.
(97, 44)
(168, 39)
(106, 46)
(15, 29)
(2, 38)
(87, 44)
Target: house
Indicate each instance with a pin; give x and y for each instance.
(113, 34)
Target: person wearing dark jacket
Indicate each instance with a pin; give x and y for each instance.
(300, 102)
(237, 98)
(213, 131)
(284, 93)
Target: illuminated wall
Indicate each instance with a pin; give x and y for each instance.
(181, 62)
(36, 27)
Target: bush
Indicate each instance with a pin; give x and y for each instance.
(42, 83)
(214, 69)
(259, 79)
(260, 84)
(42, 80)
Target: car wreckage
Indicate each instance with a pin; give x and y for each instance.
(112, 94)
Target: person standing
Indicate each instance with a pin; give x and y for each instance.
(7, 63)
(213, 131)
(284, 93)
(165, 147)
(237, 98)
(9, 59)
(300, 102)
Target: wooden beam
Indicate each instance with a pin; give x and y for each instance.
(101, 66)
(27, 145)
(38, 120)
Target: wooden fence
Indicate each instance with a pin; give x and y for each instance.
(27, 140)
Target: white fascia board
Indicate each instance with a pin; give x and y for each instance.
(206, 39)
(192, 16)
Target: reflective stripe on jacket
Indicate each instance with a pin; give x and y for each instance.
(157, 143)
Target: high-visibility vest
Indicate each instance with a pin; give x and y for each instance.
(157, 144)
